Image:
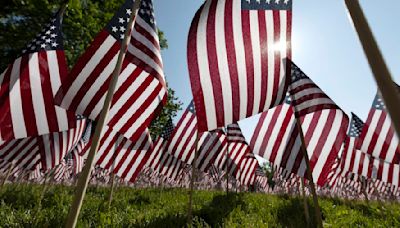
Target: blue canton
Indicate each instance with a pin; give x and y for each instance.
(266, 4)
(119, 23)
(378, 103)
(168, 129)
(191, 108)
(356, 126)
(50, 38)
(296, 74)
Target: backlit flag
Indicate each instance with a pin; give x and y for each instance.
(183, 139)
(211, 144)
(140, 90)
(324, 125)
(378, 137)
(235, 51)
(247, 167)
(28, 85)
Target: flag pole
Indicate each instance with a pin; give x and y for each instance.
(378, 66)
(84, 178)
(190, 215)
(306, 210)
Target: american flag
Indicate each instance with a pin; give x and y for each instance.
(24, 153)
(160, 160)
(183, 139)
(247, 167)
(53, 147)
(120, 155)
(378, 137)
(277, 139)
(349, 149)
(211, 144)
(140, 90)
(235, 51)
(28, 85)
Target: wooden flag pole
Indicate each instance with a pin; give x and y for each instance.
(306, 210)
(378, 66)
(190, 215)
(112, 176)
(84, 178)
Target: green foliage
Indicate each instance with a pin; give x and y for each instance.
(21, 20)
(19, 207)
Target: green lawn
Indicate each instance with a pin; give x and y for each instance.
(21, 207)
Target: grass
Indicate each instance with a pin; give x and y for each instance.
(22, 206)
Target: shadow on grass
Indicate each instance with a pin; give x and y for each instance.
(212, 214)
(290, 213)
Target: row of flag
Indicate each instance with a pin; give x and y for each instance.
(239, 59)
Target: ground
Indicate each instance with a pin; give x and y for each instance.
(20, 206)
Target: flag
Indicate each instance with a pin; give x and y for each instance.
(53, 147)
(247, 168)
(24, 153)
(140, 91)
(120, 155)
(211, 144)
(28, 85)
(235, 51)
(183, 139)
(356, 126)
(323, 123)
(378, 137)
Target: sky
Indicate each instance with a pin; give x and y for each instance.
(324, 45)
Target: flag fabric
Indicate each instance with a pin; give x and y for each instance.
(378, 137)
(247, 168)
(28, 85)
(24, 153)
(121, 156)
(324, 124)
(183, 139)
(349, 150)
(235, 51)
(140, 91)
(211, 144)
(55, 146)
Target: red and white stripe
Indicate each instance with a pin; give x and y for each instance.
(27, 88)
(276, 138)
(235, 61)
(24, 153)
(54, 146)
(211, 144)
(378, 137)
(122, 156)
(183, 139)
(247, 168)
(140, 91)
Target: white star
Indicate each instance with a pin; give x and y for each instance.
(48, 32)
(277, 1)
(54, 44)
(142, 11)
(48, 40)
(128, 11)
(122, 36)
(268, 1)
(52, 27)
(286, 1)
(258, 1)
(33, 47)
(114, 29)
(43, 37)
(43, 45)
(121, 20)
(122, 29)
(53, 35)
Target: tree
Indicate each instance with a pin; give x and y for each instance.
(21, 20)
